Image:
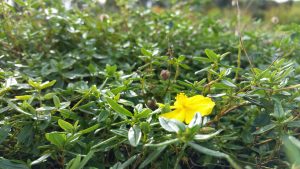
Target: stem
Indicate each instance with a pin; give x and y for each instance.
(289, 87)
(238, 29)
(121, 122)
(81, 100)
(238, 62)
(180, 156)
(176, 71)
(224, 112)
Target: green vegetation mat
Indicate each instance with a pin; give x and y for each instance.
(125, 86)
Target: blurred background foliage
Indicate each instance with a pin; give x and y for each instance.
(66, 67)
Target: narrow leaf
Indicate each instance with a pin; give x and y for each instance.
(228, 83)
(65, 125)
(168, 142)
(41, 159)
(207, 151)
(116, 107)
(265, 129)
(4, 131)
(206, 136)
(47, 84)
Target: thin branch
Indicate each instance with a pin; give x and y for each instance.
(240, 34)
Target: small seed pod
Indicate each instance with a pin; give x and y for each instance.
(165, 74)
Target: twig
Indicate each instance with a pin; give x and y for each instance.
(288, 88)
(224, 112)
(240, 35)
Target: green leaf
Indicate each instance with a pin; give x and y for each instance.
(278, 109)
(65, 125)
(47, 84)
(41, 159)
(110, 70)
(152, 156)
(34, 84)
(228, 83)
(171, 125)
(134, 135)
(129, 161)
(12, 164)
(74, 163)
(4, 90)
(86, 159)
(118, 165)
(214, 153)
(103, 115)
(295, 141)
(196, 121)
(207, 151)
(56, 101)
(120, 132)
(116, 107)
(211, 55)
(23, 97)
(146, 52)
(206, 136)
(105, 142)
(295, 124)
(4, 131)
(181, 58)
(292, 150)
(90, 129)
(20, 2)
(78, 162)
(25, 135)
(202, 59)
(265, 129)
(144, 113)
(68, 114)
(12, 105)
(165, 143)
(57, 138)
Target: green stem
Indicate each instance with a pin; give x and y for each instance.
(180, 156)
(81, 100)
(238, 62)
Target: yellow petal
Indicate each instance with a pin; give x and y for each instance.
(176, 114)
(198, 103)
(181, 99)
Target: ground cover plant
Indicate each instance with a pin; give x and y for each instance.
(122, 85)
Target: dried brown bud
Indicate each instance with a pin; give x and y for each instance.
(165, 74)
(152, 104)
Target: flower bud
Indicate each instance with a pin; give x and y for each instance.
(103, 17)
(275, 20)
(165, 74)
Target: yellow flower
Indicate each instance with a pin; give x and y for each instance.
(186, 107)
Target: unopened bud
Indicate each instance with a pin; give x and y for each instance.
(165, 74)
(152, 104)
(275, 20)
(103, 17)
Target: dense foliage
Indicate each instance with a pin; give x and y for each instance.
(84, 87)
